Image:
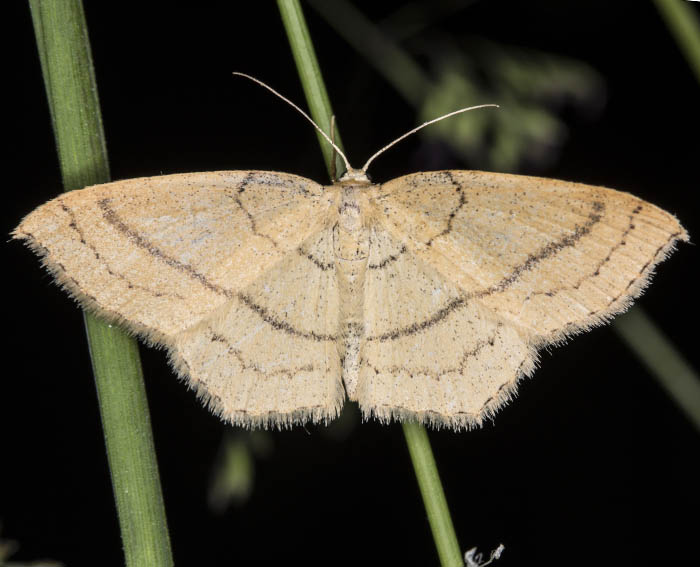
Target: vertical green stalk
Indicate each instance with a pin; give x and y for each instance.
(683, 23)
(311, 78)
(640, 333)
(416, 436)
(380, 51)
(66, 63)
(433, 495)
(663, 360)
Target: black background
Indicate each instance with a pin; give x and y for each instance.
(592, 464)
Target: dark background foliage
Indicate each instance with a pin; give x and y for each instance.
(591, 464)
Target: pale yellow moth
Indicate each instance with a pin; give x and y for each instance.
(424, 298)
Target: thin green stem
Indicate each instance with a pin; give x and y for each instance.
(646, 340)
(380, 51)
(416, 436)
(682, 21)
(663, 360)
(311, 79)
(66, 63)
(433, 495)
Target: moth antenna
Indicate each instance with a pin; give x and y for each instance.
(407, 134)
(290, 103)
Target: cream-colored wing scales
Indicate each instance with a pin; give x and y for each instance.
(430, 353)
(269, 355)
(158, 254)
(551, 257)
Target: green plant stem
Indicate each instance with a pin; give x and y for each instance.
(416, 436)
(380, 51)
(66, 63)
(311, 79)
(433, 495)
(663, 360)
(682, 21)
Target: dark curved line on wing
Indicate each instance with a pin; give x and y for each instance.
(388, 260)
(115, 220)
(551, 249)
(280, 325)
(321, 265)
(440, 315)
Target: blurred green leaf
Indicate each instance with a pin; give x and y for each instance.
(233, 475)
(9, 547)
(529, 86)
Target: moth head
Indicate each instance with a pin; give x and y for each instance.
(355, 177)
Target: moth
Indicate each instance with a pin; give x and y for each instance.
(424, 298)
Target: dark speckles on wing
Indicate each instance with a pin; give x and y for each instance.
(280, 325)
(111, 216)
(320, 264)
(384, 262)
(73, 224)
(437, 317)
(549, 250)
